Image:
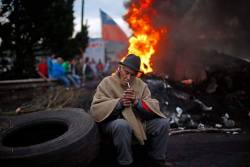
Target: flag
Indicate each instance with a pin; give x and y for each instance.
(110, 30)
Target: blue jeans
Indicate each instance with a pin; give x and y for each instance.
(75, 79)
(64, 80)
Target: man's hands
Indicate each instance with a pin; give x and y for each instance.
(128, 98)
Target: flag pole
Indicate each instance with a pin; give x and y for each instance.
(82, 15)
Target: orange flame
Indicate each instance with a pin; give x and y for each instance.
(145, 37)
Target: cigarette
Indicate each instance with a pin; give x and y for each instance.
(128, 84)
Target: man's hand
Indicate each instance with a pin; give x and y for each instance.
(128, 97)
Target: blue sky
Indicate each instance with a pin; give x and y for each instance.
(114, 8)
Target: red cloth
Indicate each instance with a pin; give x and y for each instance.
(43, 69)
(111, 31)
(146, 107)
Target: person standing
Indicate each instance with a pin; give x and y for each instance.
(100, 67)
(88, 73)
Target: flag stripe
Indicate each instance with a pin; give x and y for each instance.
(106, 19)
(111, 31)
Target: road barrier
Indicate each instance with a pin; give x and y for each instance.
(25, 83)
(15, 92)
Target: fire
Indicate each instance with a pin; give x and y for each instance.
(145, 36)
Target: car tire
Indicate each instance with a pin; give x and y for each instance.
(65, 138)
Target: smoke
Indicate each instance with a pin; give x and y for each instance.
(195, 26)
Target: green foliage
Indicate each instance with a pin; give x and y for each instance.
(44, 24)
(76, 45)
(82, 38)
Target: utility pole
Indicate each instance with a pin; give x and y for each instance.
(82, 15)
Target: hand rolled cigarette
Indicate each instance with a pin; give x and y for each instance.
(128, 84)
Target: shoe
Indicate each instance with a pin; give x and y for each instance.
(129, 165)
(161, 163)
(125, 165)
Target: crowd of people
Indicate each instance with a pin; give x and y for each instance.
(74, 72)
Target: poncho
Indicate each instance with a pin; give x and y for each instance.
(109, 92)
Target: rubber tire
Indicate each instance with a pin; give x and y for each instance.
(77, 147)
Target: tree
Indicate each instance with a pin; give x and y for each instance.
(82, 39)
(76, 45)
(47, 24)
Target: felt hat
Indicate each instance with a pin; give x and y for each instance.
(133, 62)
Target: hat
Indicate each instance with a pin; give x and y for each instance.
(133, 62)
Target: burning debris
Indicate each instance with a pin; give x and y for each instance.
(220, 101)
(171, 36)
(183, 109)
(146, 36)
(186, 110)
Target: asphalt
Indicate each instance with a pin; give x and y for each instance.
(194, 150)
(210, 150)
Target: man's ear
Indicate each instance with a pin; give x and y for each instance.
(139, 74)
(119, 68)
(118, 71)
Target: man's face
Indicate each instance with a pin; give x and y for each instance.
(126, 75)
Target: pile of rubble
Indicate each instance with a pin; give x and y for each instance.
(185, 110)
(220, 101)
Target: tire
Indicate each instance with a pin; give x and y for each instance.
(63, 138)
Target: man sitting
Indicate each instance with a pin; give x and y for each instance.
(123, 107)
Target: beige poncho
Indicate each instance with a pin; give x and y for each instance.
(108, 94)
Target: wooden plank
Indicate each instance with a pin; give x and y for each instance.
(31, 80)
(25, 84)
(216, 130)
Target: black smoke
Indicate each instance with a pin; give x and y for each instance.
(195, 27)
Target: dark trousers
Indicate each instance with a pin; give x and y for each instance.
(122, 135)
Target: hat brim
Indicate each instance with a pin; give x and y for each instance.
(132, 68)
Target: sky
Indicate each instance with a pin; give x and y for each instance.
(114, 8)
